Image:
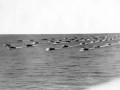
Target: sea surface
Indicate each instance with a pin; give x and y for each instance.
(33, 68)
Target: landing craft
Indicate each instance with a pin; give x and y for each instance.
(45, 39)
(97, 41)
(29, 45)
(111, 38)
(91, 41)
(109, 44)
(81, 49)
(84, 49)
(11, 47)
(75, 37)
(31, 40)
(7, 45)
(88, 39)
(52, 38)
(106, 44)
(65, 46)
(57, 42)
(82, 40)
(77, 40)
(84, 43)
(100, 40)
(51, 41)
(20, 40)
(68, 41)
(36, 42)
(72, 39)
(65, 38)
(97, 46)
(50, 49)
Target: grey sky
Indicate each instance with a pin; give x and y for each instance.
(59, 16)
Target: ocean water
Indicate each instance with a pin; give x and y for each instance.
(34, 68)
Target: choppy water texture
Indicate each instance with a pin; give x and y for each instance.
(33, 68)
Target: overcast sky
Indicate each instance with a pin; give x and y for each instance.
(59, 16)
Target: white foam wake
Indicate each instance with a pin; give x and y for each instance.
(112, 85)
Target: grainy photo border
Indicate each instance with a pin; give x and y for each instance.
(61, 17)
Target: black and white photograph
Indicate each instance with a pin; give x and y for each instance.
(59, 45)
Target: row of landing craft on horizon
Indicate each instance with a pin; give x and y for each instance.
(92, 39)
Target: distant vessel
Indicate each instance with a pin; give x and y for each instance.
(12, 47)
(65, 46)
(29, 45)
(50, 49)
(84, 49)
(7, 45)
